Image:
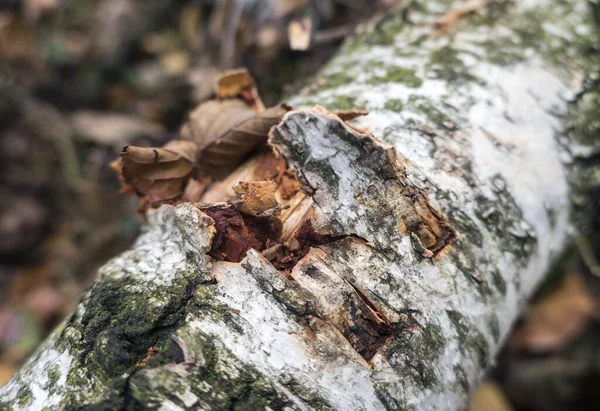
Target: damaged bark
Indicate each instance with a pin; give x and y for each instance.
(391, 264)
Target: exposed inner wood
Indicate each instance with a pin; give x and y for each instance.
(292, 238)
(379, 176)
(236, 233)
(290, 242)
(342, 304)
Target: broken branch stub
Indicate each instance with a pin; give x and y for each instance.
(358, 181)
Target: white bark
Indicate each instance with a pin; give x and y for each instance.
(473, 130)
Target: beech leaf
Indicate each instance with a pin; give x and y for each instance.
(159, 173)
(227, 131)
(238, 83)
(351, 114)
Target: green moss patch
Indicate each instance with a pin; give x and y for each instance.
(400, 75)
(471, 340)
(417, 353)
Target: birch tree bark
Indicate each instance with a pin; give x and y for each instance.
(431, 236)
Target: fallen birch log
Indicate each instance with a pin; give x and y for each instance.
(414, 250)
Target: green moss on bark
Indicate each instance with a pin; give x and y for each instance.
(24, 396)
(498, 281)
(415, 354)
(426, 107)
(218, 379)
(398, 75)
(53, 376)
(471, 341)
(395, 105)
(447, 64)
(381, 34)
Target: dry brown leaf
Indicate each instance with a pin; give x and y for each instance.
(556, 319)
(227, 131)
(117, 166)
(159, 173)
(239, 83)
(195, 188)
(454, 16)
(233, 82)
(212, 118)
(257, 198)
(351, 114)
(299, 33)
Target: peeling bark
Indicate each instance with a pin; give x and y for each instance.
(427, 237)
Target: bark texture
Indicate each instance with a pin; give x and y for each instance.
(435, 234)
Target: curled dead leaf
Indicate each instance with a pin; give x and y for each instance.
(159, 173)
(213, 118)
(227, 131)
(232, 82)
(239, 83)
(194, 189)
(117, 166)
(351, 114)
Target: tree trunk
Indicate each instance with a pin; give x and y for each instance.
(431, 236)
